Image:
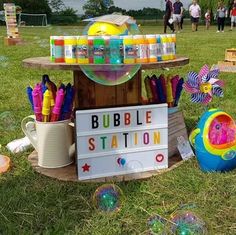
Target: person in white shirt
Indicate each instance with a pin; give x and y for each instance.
(195, 13)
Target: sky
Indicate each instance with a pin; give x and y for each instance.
(125, 4)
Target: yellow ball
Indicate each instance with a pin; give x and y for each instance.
(101, 28)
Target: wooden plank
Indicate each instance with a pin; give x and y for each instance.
(133, 89)
(12, 41)
(84, 91)
(105, 96)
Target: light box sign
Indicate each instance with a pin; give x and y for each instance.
(119, 141)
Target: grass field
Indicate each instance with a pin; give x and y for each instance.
(34, 204)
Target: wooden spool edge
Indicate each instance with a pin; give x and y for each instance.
(68, 173)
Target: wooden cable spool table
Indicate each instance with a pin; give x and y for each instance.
(91, 95)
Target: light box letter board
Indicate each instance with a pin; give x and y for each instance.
(119, 141)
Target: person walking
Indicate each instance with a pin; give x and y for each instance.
(177, 14)
(195, 13)
(221, 14)
(208, 19)
(168, 15)
(233, 15)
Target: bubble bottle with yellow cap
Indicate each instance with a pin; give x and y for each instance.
(164, 46)
(82, 50)
(129, 49)
(70, 43)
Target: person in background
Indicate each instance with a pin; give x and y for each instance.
(195, 13)
(182, 20)
(221, 14)
(168, 15)
(177, 14)
(233, 15)
(208, 19)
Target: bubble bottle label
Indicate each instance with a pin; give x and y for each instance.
(164, 44)
(70, 49)
(52, 48)
(107, 49)
(174, 45)
(59, 49)
(82, 50)
(152, 48)
(116, 48)
(99, 50)
(159, 48)
(90, 49)
(141, 47)
(129, 50)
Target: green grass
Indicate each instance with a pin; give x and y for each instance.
(31, 203)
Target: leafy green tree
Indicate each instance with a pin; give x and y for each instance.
(57, 5)
(30, 6)
(97, 7)
(212, 5)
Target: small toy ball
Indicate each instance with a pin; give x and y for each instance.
(157, 225)
(4, 163)
(187, 223)
(108, 198)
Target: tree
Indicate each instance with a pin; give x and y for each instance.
(31, 6)
(57, 5)
(212, 5)
(94, 8)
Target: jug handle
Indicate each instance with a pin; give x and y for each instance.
(24, 123)
(192, 136)
(72, 147)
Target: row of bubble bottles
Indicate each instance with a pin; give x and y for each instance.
(127, 49)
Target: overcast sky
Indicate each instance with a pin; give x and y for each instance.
(125, 4)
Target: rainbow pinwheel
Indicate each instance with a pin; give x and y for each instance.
(204, 85)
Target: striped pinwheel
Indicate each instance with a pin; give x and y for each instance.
(204, 85)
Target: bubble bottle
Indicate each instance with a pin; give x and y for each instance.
(99, 50)
(70, 49)
(59, 49)
(116, 48)
(90, 49)
(159, 48)
(129, 49)
(142, 48)
(107, 49)
(152, 48)
(82, 50)
(174, 45)
(52, 48)
(164, 47)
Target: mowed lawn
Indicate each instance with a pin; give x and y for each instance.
(31, 203)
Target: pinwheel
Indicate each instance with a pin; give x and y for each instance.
(204, 85)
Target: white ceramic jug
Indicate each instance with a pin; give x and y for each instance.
(52, 140)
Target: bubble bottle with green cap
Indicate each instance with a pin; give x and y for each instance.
(99, 50)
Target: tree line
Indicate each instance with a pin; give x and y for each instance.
(58, 13)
